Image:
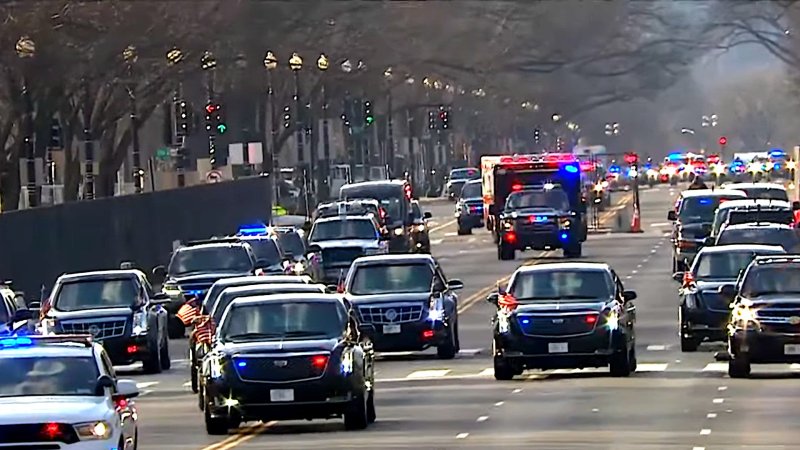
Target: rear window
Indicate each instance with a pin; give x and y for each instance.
(786, 238)
(265, 250)
(766, 193)
(292, 243)
(472, 190)
(701, 209)
(465, 174)
(784, 217)
(210, 259)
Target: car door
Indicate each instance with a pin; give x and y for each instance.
(127, 413)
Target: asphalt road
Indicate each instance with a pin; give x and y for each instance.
(674, 401)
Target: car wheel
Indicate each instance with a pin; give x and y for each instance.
(215, 426)
(176, 328)
(573, 251)
(462, 231)
(166, 362)
(689, 343)
(632, 358)
(193, 369)
(371, 415)
(448, 349)
(620, 363)
(356, 416)
(502, 369)
(739, 367)
(152, 363)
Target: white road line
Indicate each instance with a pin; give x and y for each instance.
(651, 367)
(628, 277)
(146, 384)
(470, 351)
(395, 354)
(472, 239)
(516, 391)
(462, 435)
(436, 241)
(794, 367)
(722, 388)
(452, 233)
(660, 224)
(656, 348)
(719, 401)
(634, 272)
(487, 372)
(716, 367)
(711, 415)
(436, 373)
(482, 419)
(698, 448)
(705, 432)
(499, 403)
(187, 384)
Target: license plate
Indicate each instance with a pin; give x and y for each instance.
(557, 347)
(391, 329)
(791, 349)
(281, 395)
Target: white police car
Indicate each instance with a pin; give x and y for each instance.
(60, 392)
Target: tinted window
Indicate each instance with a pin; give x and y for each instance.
(555, 284)
(722, 265)
(766, 193)
(701, 209)
(415, 209)
(772, 279)
(784, 217)
(218, 307)
(265, 249)
(94, 294)
(276, 320)
(47, 376)
(210, 259)
(292, 244)
(343, 229)
(786, 238)
(555, 198)
(391, 279)
(472, 190)
(464, 174)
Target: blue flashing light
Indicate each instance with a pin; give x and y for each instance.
(540, 219)
(572, 168)
(526, 321)
(241, 364)
(197, 292)
(776, 166)
(675, 156)
(253, 230)
(614, 168)
(564, 236)
(777, 153)
(705, 201)
(16, 342)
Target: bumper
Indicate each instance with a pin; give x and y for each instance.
(590, 350)
(412, 336)
(470, 221)
(110, 443)
(127, 350)
(705, 323)
(766, 348)
(541, 240)
(399, 244)
(322, 398)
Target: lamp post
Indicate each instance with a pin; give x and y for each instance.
(322, 65)
(130, 56)
(26, 49)
(208, 63)
(389, 151)
(271, 157)
(174, 57)
(296, 64)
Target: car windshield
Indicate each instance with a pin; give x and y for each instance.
(297, 319)
(772, 279)
(700, 209)
(780, 216)
(210, 259)
(472, 190)
(722, 266)
(292, 243)
(784, 237)
(218, 307)
(766, 193)
(343, 229)
(47, 376)
(266, 250)
(96, 294)
(464, 174)
(554, 198)
(561, 284)
(391, 279)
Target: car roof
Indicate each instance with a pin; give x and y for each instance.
(713, 193)
(301, 287)
(755, 203)
(277, 298)
(62, 349)
(375, 183)
(576, 266)
(394, 258)
(343, 217)
(758, 225)
(735, 248)
(213, 245)
(474, 181)
(754, 186)
(101, 275)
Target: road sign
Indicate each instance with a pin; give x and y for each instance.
(213, 176)
(163, 153)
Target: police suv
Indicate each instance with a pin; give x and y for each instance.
(61, 392)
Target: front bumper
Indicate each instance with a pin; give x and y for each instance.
(533, 352)
(704, 323)
(540, 240)
(412, 336)
(764, 347)
(470, 221)
(325, 397)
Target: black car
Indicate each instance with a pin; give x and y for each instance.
(563, 315)
(294, 247)
(782, 235)
(15, 316)
(408, 301)
(458, 178)
(194, 267)
(469, 209)
(288, 357)
(764, 327)
(270, 258)
(420, 236)
(119, 309)
(395, 199)
(703, 311)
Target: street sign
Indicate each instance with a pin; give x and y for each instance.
(163, 153)
(213, 176)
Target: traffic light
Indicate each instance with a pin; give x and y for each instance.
(368, 117)
(631, 158)
(210, 108)
(181, 118)
(219, 122)
(287, 116)
(55, 134)
(431, 120)
(537, 135)
(723, 140)
(443, 117)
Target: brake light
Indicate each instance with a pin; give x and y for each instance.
(507, 301)
(516, 187)
(510, 237)
(591, 319)
(685, 244)
(427, 334)
(319, 361)
(51, 430)
(132, 349)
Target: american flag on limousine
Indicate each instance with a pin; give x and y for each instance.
(188, 313)
(204, 329)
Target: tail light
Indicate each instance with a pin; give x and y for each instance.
(51, 430)
(510, 237)
(591, 319)
(683, 244)
(427, 334)
(319, 361)
(508, 302)
(132, 349)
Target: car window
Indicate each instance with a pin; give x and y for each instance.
(107, 366)
(784, 237)
(344, 229)
(191, 260)
(48, 376)
(771, 279)
(722, 266)
(5, 310)
(97, 294)
(702, 208)
(391, 279)
(561, 284)
(766, 193)
(297, 319)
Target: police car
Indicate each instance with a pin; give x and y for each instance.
(60, 392)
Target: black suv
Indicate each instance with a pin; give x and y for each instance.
(764, 327)
(469, 209)
(420, 234)
(197, 265)
(563, 315)
(119, 309)
(288, 357)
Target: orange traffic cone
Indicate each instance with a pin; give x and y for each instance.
(636, 221)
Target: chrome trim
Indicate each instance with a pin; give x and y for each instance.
(556, 316)
(280, 356)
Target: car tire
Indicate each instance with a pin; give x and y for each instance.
(689, 344)
(175, 328)
(166, 361)
(371, 415)
(505, 253)
(502, 369)
(573, 251)
(739, 367)
(620, 363)
(215, 426)
(136, 439)
(632, 358)
(152, 363)
(464, 231)
(356, 417)
(193, 369)
(448, 350)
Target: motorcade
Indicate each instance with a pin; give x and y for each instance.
(766, 191)
(340, 240)
(458, 178)
(395, 197)
(469, 208)
(737, 212)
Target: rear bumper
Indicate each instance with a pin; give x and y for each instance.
(411, 337)
(764, 348)
(117, 349)
(470, 221)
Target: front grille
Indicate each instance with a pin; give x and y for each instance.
(390, 313)
(714, 301)
(276, 369)
(554, 324)
(779, 310)
(783, 328)
(536, 227)
(102, 328)
(29, 433)
(341, 255)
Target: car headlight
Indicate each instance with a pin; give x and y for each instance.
(612, 320)
(564, 223)
(172, 290)
(508, 224)
(420, 228)
(140, 323)
(94, 431)
(744, 314)
(398, 231)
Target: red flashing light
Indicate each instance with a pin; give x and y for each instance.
(723, 140)
(51, 430)
(319, 361)
(510, 237)
(507, 301)
(132, 349)
(631, 158)
(120, 402)
(516, 187)
(591, 319)
(427, 334)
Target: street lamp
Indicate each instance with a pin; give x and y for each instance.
(612, 129)
(269, 157)
(709, 121)
(322, 64)
(556, 117)
(174, 58)
(296, 64)
(130, 56)
(26, 49)
(208, 63)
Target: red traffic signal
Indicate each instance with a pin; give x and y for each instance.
(723, 140)
(631, 158)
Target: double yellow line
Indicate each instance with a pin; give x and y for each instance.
(246, 433)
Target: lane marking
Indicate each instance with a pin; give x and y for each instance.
(436, 241)
(472, 239)
(698, 448)
(716, 367)
(462, 435)
(499, 403)
(450, 234)
(487, 372)
(470, 351)
(435, 373)
(711, 415)
(660, 224)
(516, 391)
(656, 348)
(705, 432)
(146, 384)
(722, 388)
(482, 419)
(719, 401)
(651, 367)
(245, 435)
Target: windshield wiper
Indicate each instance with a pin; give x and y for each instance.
(247, 336)
(304, 333)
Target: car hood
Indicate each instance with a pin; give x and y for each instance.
(278, 346)
(207, 276)
(556, 307)
(363, 243)
(388, 298)
(61, 409)
(90, 313)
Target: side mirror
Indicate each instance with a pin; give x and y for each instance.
(493, 298)
(455, 285)
(332, 289)
(727, 290)
(629, 295)
(104, 382)
(160, 272)
(22, 314)
(428, 215)
(127, 389)
(678, 276)
(672, 216)
(796, 205)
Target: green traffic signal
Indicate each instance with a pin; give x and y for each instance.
(221, 128)
(370, 119)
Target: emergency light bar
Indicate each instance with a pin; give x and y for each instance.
(253, 230)
(546, 157)
(27, 341)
